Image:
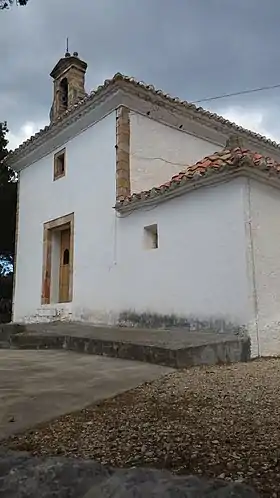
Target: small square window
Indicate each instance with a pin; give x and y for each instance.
(151, 237)
(59, 164)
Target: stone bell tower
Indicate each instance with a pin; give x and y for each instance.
(69, 83)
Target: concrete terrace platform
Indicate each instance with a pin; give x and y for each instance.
(172, 348)
(38, 386)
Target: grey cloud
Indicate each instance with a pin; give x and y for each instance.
(189, 48)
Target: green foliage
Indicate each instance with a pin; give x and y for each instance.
(5, 4)
(8, 200)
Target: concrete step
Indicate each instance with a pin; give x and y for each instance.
(172, 348)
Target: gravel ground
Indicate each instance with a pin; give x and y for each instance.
(221, 421)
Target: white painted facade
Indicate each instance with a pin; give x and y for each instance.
(88, 190)
(196, 270)
(159, 151)
(218, 254)
(199, 268)
(265, 216)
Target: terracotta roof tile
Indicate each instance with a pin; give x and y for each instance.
(118, 77)
(221, 161)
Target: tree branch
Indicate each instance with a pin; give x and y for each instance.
(5, 4)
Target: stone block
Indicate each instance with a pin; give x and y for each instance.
(22, 475)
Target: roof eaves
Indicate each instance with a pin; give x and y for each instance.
(199, 112)
(189, 182)
(196, 112)
(192, 180)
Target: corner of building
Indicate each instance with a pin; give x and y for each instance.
(16, 251)
(253, 314)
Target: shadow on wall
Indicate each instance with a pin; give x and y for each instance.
(131, 318)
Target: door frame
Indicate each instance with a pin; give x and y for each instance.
(49, 227)
(62, 265)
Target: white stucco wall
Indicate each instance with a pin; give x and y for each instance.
(199, 269)
(159, 151)
(88, 190)
(265, 216)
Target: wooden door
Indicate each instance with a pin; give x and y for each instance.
(64, 267)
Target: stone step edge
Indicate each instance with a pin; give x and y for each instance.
(175, 358)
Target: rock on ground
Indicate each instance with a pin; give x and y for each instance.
(22, 475)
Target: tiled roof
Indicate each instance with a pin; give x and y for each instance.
(224, 161)
(118, 77)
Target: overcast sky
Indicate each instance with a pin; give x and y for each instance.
(189, 48)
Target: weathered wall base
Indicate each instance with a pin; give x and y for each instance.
(191, 323)
(131, 318)
(269, 333)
